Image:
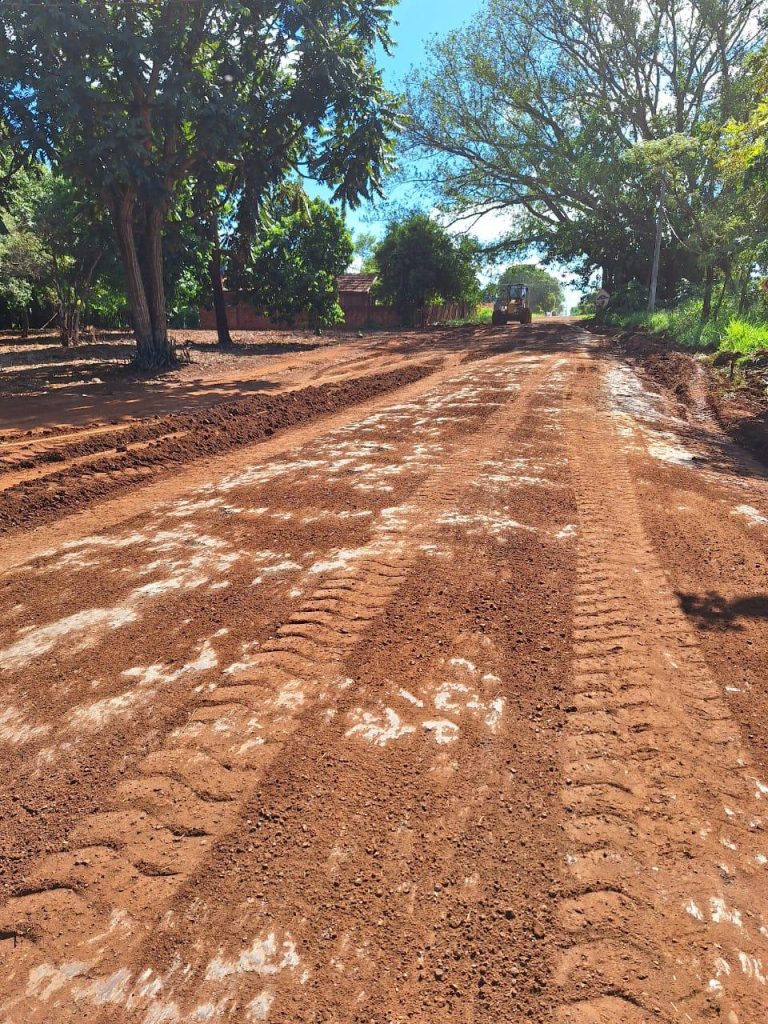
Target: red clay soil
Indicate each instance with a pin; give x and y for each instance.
(742, 410)
(167, 442)
(446, 706)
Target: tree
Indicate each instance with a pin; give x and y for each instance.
(292, 269)
(365, 245)
(23, 267)
(743, 160)
(536, 109)
(137, 100)
(545, 291)
(419, 262)
(56, 241)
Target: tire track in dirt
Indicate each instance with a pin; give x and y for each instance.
(667, 851)
(175, 439)
(191, 791)
(71, 722)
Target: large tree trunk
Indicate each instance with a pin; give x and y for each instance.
(217, 286)
(162, 351)
(146, 293)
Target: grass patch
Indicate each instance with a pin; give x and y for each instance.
(685, 324)
(744, 338)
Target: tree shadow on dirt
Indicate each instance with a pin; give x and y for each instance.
(714, 612)
(34, 356)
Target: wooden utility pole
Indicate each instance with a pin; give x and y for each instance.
(657, 249)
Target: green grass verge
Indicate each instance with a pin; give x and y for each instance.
(724, 332)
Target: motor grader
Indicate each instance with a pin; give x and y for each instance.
(512, 304)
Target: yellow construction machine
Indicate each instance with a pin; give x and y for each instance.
(512, 304)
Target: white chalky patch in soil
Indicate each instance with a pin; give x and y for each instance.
(46, 979)
(566, 532)
(463, 663)
(670, 452)
(187, 507)
(42, 639)
(345, 558)
(95, 716)
(407, 695)
(291, 696)
(14, 728)
(118, 920)
(260, 474)
(258, 1008)
(721, 914)
(458, 697)
(751, 513)
(265, 956)
(752, 967)
(496, 524)
(281, 568)
(442, 730)
(379, 729)
(630, 398)
(694, 911)
(80, 547)
(635, 406)
(202, 556)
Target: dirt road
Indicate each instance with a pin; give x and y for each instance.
(446, 705)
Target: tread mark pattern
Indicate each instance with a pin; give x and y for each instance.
(665, 850)
(163, 824)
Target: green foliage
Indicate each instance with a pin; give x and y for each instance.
(745, 338)
(56, 242)
(292, 269)
(570, 117)
(685, 324)
(365, 243)
(419, 262)
(545, 291)
(137, 101)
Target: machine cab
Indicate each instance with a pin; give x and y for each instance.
(512, 304)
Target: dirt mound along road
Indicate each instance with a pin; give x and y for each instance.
(399, 719)
(109, 461)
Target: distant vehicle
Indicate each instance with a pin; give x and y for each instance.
(512, 304)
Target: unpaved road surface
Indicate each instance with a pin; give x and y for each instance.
(446, 705)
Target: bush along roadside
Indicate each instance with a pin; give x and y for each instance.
(738, 343)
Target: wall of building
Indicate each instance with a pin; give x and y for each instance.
(360, 312)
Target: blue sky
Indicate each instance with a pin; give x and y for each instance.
(415, 21)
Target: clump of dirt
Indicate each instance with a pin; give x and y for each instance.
(670, 367)
(740, 409)
(744, 415)
(166, 442)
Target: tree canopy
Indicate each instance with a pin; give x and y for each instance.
(419, 262)
(136, 101)
(292, 269)
(55, 242)
(568, 115)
